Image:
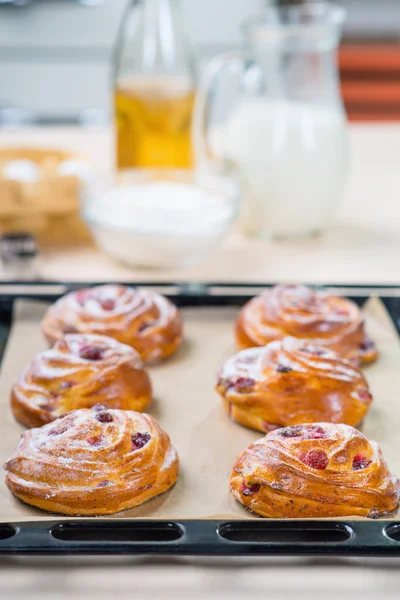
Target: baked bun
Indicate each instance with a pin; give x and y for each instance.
(79, 372)
(92, 462)
(140, 318)
(301, 312)
(313, 471)
(289, 382)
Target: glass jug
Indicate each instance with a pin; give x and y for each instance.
(286, 133)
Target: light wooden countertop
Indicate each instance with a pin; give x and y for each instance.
(363, 246)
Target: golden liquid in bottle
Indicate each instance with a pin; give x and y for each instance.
(154, 117)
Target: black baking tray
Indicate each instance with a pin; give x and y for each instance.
(263, 537)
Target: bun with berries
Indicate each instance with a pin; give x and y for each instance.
(92, 462)
(289, 382)
(79, 372)
(301, 312)
(315, 471)
(140, 318)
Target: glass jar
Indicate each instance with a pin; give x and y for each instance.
(155, 88)
(286, 133)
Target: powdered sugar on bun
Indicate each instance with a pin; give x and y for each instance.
(141, 318)
(79, 372)
(93, 462)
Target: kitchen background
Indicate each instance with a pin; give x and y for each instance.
(56, 55)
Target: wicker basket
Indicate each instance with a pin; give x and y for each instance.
(47, 207)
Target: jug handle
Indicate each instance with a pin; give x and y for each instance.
(203, 153)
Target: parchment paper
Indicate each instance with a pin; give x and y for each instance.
(189, 409)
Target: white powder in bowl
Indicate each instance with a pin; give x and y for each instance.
(161, 207)
(160, 224)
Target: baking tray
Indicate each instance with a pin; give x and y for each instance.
(219, 536)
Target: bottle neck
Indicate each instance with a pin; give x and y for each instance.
(164, 40)
(154, 42)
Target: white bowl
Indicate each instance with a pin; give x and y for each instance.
(161, 218)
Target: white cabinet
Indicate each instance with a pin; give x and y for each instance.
(56, 89)
(55, 55)
(373, 18)
(60, 24)
(217, 22)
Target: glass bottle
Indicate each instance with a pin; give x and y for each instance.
(155, 88)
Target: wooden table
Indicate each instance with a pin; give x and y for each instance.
(363, 246)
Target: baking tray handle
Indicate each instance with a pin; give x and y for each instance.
(199, 538)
